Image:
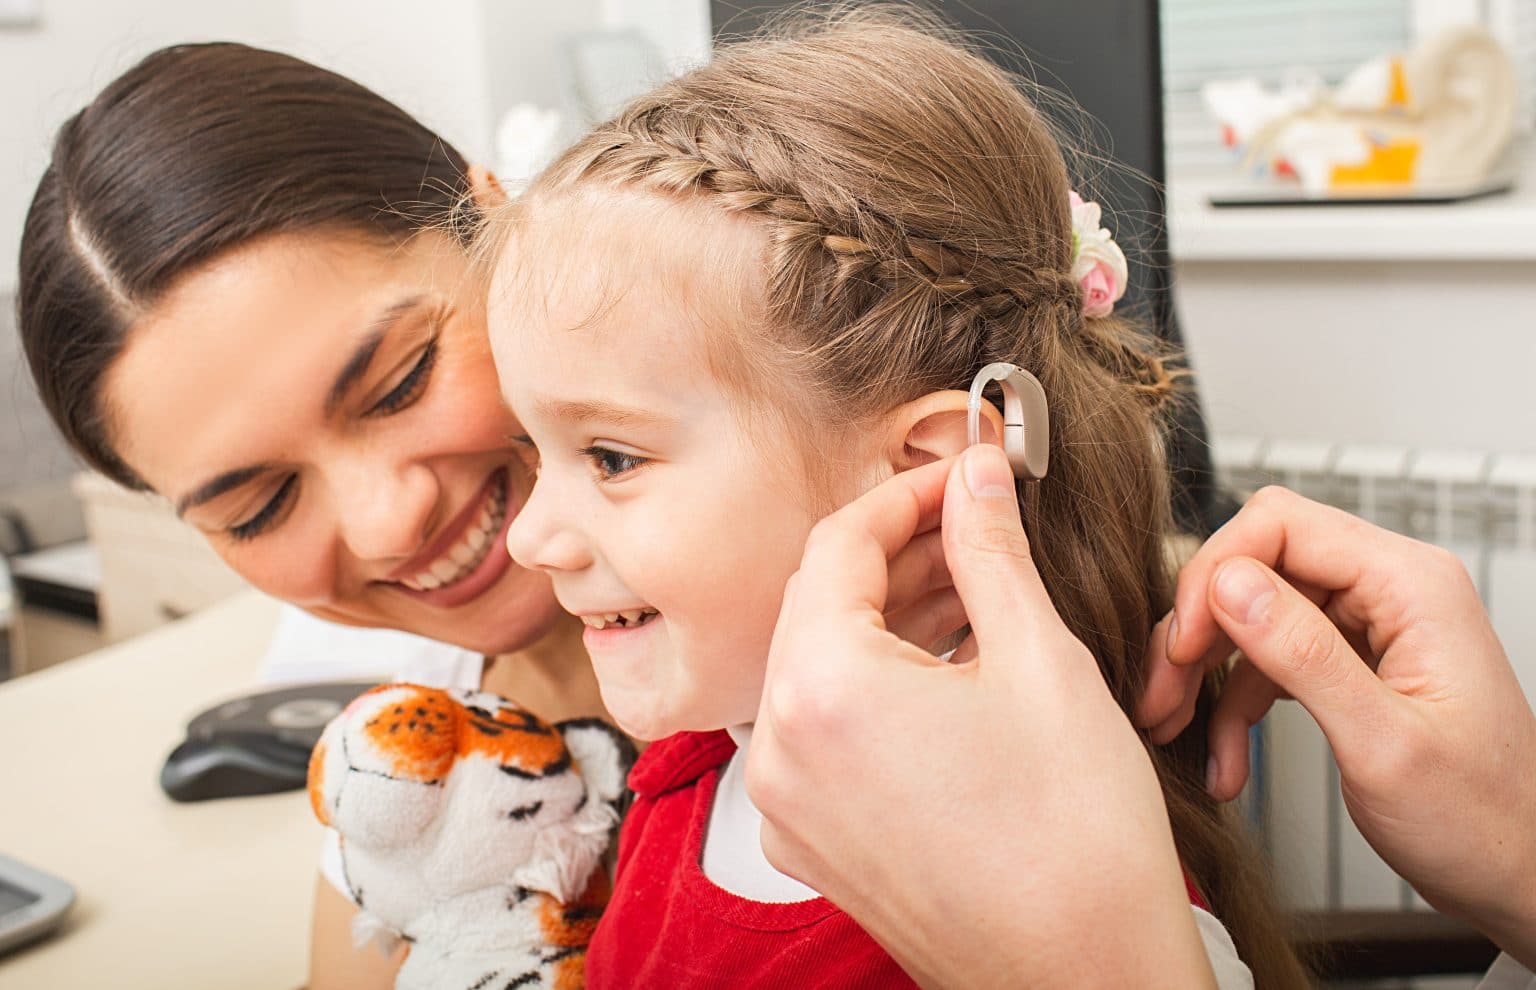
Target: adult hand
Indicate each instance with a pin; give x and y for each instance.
(980, 819)
(1385, 642)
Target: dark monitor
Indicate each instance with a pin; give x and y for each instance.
(1067, 46)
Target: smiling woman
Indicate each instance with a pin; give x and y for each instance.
(277, 330)
(245, 286)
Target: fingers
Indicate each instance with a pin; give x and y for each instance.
(846, 565)
(1326, 550)
(929, 619)
(988, 554)
(1245, 699)
(1168, 700)
(916, 571)
(1289, 640)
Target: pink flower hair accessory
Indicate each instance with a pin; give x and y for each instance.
(1098, 264)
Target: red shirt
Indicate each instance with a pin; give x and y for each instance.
(669, 927)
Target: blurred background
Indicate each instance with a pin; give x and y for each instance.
(1369, 341)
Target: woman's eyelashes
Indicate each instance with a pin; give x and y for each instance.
(610, 463)
(409, 388)
(268, 514)
(404, 394)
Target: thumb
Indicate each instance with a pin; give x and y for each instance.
(988, 553)
(1299, 648)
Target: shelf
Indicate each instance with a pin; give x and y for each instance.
(1498, 228)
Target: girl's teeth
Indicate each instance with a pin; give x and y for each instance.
(444, 570)
(634, 616)
(463, 554)
(427, 582)
(477, 539)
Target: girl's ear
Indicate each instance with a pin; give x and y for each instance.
(932, 427)
(485, 188)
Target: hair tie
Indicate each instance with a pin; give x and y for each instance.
(1098, 264)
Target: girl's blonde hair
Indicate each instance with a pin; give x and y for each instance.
(916, 209)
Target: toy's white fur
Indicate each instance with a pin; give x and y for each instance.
(454, 855)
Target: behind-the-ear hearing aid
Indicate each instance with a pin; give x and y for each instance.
(1026, 418)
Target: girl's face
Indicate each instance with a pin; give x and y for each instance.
(324, 409)
(654, 501)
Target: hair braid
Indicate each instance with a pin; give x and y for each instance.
(916, 222)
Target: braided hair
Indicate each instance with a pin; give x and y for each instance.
(915, 207)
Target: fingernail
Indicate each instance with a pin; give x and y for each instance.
(1173, 635)
(988, 473)
(1243, 591)
(1210, 774)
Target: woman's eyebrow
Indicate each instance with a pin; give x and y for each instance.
(357, 364)
(354, 368)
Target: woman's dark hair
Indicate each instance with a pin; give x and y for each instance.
(194, 151)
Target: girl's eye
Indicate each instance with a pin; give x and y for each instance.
(611, 463)
(264, 519)
(411, 386)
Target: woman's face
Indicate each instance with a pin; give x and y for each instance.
(325, 409)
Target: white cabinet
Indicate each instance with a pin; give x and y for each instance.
(154, 567)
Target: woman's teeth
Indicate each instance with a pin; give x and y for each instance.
(471, 549)
(633, 617)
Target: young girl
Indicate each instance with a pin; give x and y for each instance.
(758, 292)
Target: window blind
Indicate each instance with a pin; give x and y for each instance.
(1522, 41)
(1224, 39)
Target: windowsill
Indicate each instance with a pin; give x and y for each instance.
(1493, 228)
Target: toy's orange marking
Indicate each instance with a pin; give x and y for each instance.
(416, 730)
(1397, 91)
(513, 737)
(314, 783)
(571, 972)
(572, 924)
(1391, 164)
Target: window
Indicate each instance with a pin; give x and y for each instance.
(1223, 39)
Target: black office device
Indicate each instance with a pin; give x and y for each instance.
(256, 744)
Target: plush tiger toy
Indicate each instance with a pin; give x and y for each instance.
(473, 831)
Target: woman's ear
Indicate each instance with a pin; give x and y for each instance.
(933, 427)
(485, 188)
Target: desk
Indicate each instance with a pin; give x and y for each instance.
(215, 894)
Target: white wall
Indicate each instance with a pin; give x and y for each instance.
(680, 29)
(1430, 354)
(49, 71)
(427, 58)
(455, 64)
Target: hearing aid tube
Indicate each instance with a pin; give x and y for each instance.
(1026, 418)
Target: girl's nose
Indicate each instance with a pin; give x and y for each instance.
(541, 538)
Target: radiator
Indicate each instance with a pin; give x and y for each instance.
(1482, 506)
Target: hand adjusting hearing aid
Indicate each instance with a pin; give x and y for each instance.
(1026, 418)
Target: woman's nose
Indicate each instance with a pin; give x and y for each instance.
(541, 538)
(387, 511)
